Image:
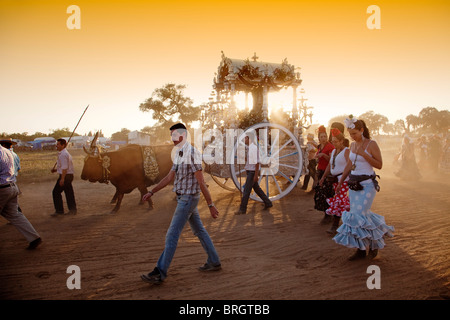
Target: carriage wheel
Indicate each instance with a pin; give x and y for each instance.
(220, 175)
(226, 183)
(280, 157)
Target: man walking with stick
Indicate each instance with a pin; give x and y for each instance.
(64, 167)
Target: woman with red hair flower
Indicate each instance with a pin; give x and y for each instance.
(339, 157)
(322, 192)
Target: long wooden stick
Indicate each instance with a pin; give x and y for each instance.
(77, 124)
(73, 131)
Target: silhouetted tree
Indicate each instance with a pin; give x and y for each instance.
(121, 135)
(168, 105)
(374, 121)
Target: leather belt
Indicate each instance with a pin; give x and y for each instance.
(182, 194)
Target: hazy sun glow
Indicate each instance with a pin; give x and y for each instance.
(240, 101)
(276, 99)
(282, 99)
(124, 50)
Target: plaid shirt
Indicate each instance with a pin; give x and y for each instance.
(186, 163)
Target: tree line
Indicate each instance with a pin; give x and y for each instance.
(429, 120)
(56, 133)
(169, 105)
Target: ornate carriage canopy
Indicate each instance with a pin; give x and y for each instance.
(247, 75)
(257, 78)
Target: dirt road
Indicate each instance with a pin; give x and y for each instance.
(283, 253)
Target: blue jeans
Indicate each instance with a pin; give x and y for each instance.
(186, 211)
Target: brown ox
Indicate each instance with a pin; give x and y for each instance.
(125, 169)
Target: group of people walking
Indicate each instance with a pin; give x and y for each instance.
(9, 191)
(346, 187)
(433, 157)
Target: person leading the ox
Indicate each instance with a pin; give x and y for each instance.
(8, 200)
(189, 181)
(64, 166)
(361, 228)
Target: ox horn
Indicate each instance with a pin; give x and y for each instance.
(88, 152)
(94, 141)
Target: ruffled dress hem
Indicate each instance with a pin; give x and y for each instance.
(363, 231)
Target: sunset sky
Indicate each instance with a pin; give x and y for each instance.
(126, 49)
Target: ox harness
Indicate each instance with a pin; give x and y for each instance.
(151, 168)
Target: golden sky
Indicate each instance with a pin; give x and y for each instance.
(126, 49)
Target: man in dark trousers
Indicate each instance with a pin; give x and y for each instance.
(252, 167)
(64, 167)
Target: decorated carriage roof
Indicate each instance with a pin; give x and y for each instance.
(246, 74)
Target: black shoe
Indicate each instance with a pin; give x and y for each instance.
(240, 212)
(332, 230)
(210, 267)
(57, 214)
(372, 253)
(153, 277)
(359, 254)
(34, 244)
(73, 211)
(326, 219)
(268, 205)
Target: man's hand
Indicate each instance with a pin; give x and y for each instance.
(214, 212)
(147, 196)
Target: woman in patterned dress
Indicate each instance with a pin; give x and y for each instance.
(339, 158)
(361, 228)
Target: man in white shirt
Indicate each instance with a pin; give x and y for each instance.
(252, 166)
(8, 200)
(64, 167)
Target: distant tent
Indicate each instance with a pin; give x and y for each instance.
(45, 143)
(141, 138)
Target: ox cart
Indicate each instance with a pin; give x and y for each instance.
(281, 151)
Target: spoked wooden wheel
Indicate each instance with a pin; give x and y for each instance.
(280, 156)
(226, 183)
(219, 172)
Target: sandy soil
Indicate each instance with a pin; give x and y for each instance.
(283, 253)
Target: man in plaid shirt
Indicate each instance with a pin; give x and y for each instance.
(189, 181)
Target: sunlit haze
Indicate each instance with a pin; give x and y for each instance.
(124, 50)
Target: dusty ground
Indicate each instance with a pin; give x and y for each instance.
(282, 254)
